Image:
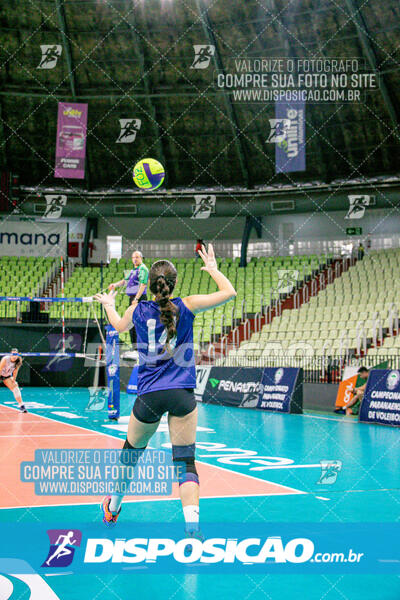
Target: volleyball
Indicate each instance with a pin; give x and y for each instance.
(148, 174)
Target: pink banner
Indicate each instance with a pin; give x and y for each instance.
(71, 140)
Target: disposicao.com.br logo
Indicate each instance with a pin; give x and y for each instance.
(190, 550)
(248, 551)
(219, 548)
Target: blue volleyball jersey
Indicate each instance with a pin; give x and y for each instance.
(159, 370)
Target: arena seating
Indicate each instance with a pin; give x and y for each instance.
(256, 286)
(23, 276)
(367, 292)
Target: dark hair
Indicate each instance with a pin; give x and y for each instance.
(362, 370)
(162, 278)
(18, 362)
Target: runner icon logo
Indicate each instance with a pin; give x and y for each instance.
(62, 547)
(329, 471)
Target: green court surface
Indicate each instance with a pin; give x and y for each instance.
(282, 452)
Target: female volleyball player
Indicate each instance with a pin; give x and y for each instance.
(167, 375)
(9, 367)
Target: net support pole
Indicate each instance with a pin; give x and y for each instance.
(101, 287)
(62, 305)
(112, 371)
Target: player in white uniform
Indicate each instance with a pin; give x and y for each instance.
(9, 367)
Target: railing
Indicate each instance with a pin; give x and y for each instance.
(278, 308)
(393, 319)
(377, 329)
(211, 348)
(223, 345)
(316, 369)
(361, 338)
(296, 300)
(344, 344)
(235, 338)
(223, 323)
(244, 312)
(257, 322)
(306, 294)
(314, 287)
(246, 329)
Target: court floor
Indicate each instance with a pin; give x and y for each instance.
(254, 467)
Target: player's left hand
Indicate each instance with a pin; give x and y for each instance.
(106, 298)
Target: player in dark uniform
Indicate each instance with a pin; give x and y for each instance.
(167, 375)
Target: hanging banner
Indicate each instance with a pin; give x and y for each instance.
(33, 238)
(290, 148)
(112, 370)
(71, 140)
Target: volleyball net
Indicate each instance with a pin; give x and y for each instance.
(104, 352)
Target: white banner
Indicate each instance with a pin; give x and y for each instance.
(33, 238)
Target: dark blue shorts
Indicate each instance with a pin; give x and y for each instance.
(149, 408)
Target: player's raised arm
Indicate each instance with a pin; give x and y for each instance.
(121, 324)
(226, 291)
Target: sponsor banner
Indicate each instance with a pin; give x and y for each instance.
(71, 140)
(202, 375)
(112, 370)
(345, 390)
(33, 238)
(336, 548)
(352, 380)
(274, 389)
(132, 385)
(282, 390)
(381, 401)
(290, 148)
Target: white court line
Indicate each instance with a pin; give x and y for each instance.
(352, 421)
(201, 462)
(18, 421)
(65, 423)
(286, 467)
(150, 499)
(45, 435)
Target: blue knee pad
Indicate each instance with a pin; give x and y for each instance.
(184, 456)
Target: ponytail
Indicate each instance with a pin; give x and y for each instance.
(162, 282)
(168, 310)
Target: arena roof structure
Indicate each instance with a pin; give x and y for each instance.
(136, 60)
